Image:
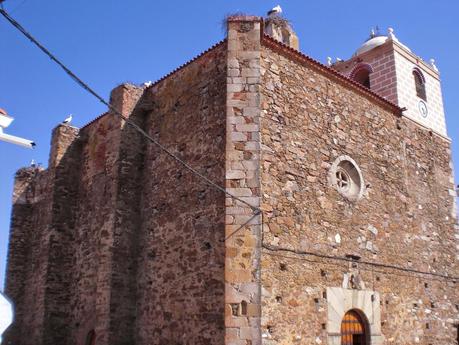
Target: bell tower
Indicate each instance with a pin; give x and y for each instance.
(392, 70)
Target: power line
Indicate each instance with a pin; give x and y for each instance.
(340, 258)
(338, 266)
(257, 211)
(86, 87)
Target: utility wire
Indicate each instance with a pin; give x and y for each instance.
(256, 213)
(256, 210)
(340, 258)
(118, 113)
(341, 266)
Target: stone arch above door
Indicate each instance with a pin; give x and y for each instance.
(340, 301)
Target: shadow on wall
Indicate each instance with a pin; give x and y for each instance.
(116, 243)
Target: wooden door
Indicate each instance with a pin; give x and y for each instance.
(353, 330)
(91, 338)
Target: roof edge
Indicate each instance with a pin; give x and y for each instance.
(426, 67)
(215, 46)
(94, 120)
(305, 59)
(166, 76)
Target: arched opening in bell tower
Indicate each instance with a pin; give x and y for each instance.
(361, 74)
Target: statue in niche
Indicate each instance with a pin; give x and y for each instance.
(353, 280)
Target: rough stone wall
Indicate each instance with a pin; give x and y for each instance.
(24, 281)
(404, 218)
(103, 226)
(94, 229)
(126, 216)
(93, 232)
(64, 171)
(180, 279)
(40, 250)
(61, 271)
(99, 243)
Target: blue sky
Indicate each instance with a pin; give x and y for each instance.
(108, 42)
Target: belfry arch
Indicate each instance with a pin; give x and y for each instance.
(361, 74)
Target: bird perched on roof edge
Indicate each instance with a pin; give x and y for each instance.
(68, 119)
(275, 10)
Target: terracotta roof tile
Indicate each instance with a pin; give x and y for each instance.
(94, 120)
(166, 76)
(302, 58)
(187, 63)
(292, 53)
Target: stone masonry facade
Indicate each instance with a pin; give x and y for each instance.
(117, 243)
(406, 217)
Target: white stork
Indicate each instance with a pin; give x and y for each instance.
(68, 119)
(275, 10)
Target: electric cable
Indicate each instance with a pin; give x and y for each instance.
(86, 87)
(340, 258)
(341, 267)
(257, 211)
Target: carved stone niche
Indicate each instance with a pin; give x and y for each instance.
(365, 302)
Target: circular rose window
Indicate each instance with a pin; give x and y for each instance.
(347, 178)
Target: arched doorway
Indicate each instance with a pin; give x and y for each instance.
(354, 329)
(91, 338)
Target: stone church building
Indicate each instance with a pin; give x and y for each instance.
(329, 219)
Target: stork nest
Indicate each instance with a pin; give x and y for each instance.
(278, 20)
(226, 18)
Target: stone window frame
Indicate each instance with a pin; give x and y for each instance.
(337, 167)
